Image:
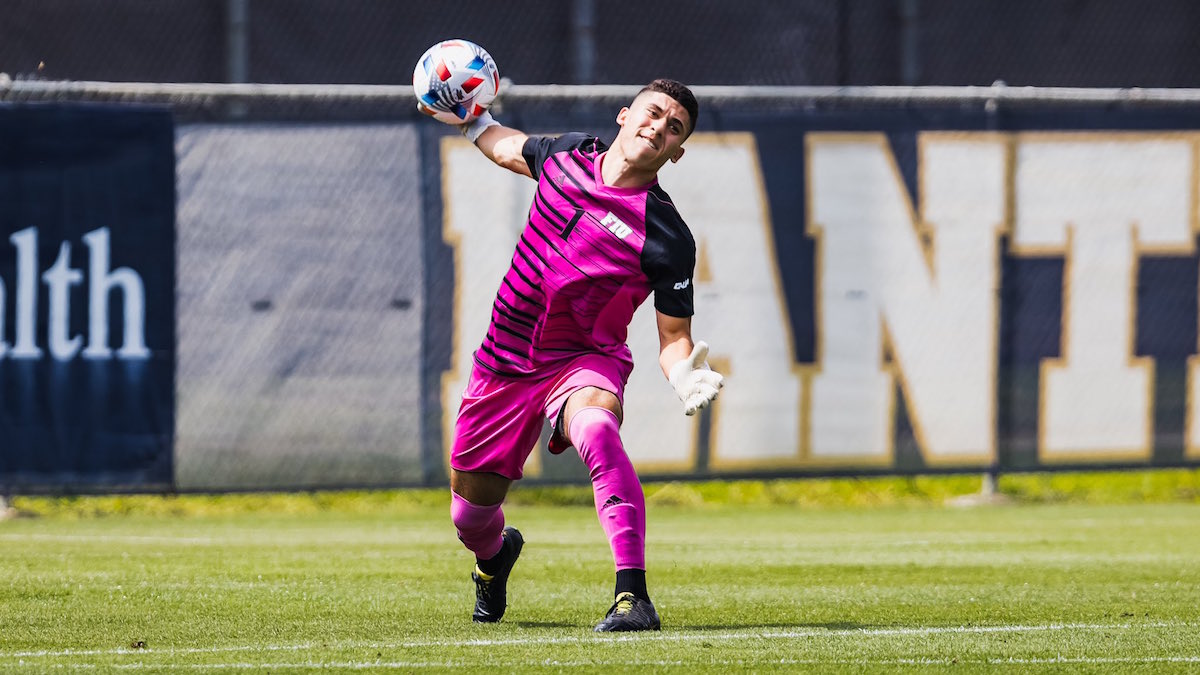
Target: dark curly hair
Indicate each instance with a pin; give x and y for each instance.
(679, 92)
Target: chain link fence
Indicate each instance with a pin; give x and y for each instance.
(325, 281)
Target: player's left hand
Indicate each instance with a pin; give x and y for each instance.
(696, 384)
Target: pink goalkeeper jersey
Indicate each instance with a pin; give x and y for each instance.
(588, 257)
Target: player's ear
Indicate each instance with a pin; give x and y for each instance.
(678, 155)
(622, 115)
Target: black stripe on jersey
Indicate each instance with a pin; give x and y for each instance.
(532, 284)
(500, 313)
(563, 169)
(547, 335)
(539, 203)
(513, 314)
(523, 241)
(581, 161)
(527, 318)
(559, 189)
(513, 333)
(492, 353)
(529, 262)
(515, 351)
(554, 248)
(519, 294)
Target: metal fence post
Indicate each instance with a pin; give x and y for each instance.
(583, 39)
(910, 58)
(237, 49)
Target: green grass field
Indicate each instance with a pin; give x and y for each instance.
(759, 587)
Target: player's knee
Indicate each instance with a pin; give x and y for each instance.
(595, 432)
(594, 427)
(593, 397)
(471, 518)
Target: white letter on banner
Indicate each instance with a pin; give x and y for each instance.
(60, 278)
(917, 289)
(1100, 200)
(101, 281)
(25, 346)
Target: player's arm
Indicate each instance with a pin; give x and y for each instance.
(499, 143)
(674, 340)
(684, 363)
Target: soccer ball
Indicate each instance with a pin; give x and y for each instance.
(455, 81)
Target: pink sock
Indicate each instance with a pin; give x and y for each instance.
(620, 504)
(479, 527)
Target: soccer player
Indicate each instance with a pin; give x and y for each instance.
(600, 238)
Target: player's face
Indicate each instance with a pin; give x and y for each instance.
(653, 129)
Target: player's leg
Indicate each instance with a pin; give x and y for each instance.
(592, 420)
(476, 509)
(495, 431)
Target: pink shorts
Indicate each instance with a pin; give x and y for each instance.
(500, 419)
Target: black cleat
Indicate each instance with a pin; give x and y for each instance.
(491, 593)
(629, 613)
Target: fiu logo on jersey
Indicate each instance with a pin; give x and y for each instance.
(682, 285)
(615, 225)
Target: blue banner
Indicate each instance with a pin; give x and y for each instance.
(87, 288)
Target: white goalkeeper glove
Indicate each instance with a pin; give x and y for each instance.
(695, 383)
(475, 128)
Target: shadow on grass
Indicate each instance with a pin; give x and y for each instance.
(547, 624)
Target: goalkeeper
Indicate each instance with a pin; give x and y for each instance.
(600, 238)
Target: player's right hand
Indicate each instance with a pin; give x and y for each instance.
(695, 383)
(424, 109)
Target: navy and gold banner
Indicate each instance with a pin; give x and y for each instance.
(87, 288)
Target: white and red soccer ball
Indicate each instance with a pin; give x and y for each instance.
(455, 81)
